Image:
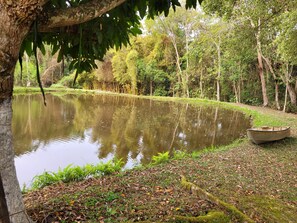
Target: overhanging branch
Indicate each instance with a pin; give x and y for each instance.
(77, 15)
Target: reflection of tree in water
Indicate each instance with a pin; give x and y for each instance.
(34, 124)
(124, 127)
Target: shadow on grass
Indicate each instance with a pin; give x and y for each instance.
(284, 143)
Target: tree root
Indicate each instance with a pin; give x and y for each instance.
(229, 208)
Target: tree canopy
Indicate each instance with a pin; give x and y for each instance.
(77, 30)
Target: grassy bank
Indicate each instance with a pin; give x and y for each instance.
(36, 90)
(260, 181)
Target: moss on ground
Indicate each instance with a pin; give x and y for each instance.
(271, 209)
(210, 217)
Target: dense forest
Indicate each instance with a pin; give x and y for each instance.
(241, 53)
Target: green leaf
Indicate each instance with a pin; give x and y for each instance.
(141, 6)
(42, 48)
(99, 37)
(60, 56)
(55, 48)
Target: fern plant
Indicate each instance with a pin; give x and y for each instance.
(178, 154)
(160, 158)
(77, 173)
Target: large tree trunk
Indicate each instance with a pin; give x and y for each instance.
(11, 188)
(292, 94)
(262, 78)
(291, 89)
(260, 61)
(286, 99)
(201, 84)
(11, 36)
(218, 46)
(235, 92)
(4, 215)
(269, 64)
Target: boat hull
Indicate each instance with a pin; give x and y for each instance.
(267, 134)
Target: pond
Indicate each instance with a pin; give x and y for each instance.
(81, 129)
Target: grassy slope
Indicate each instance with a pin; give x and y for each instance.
(258, 180)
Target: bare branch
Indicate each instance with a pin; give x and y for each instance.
(268, 62)
(77, 15)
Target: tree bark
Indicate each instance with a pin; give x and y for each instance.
(218, 46)
(262, 78)
(11, 188)
(286, 99)
(235, 92)
(292, 94)
(260, 61)
(239, 91)
(201, 84)
(291, 90)
(11, 37)
(4, 215)
(77, 15)
(268, 62)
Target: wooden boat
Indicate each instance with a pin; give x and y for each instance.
(267, 134)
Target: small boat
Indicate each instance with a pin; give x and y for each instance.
(267, 134)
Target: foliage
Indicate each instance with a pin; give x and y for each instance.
(26, 76)
(86, 80)
(189, 53)
(131, 59)
(111, 29)
(67, 81)
(178, 154)
(160, 158)
(76, 173)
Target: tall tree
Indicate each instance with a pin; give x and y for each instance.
(255, 16)
(214, 33)
(179, 27)
(131, 61)
(285, 47)
(105, 23)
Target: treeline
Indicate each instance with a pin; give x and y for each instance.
(241, 52)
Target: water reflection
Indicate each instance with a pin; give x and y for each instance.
(91, 128)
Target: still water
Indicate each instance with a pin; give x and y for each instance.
(81, 129)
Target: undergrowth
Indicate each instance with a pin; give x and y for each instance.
(76, 173)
